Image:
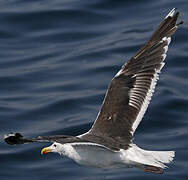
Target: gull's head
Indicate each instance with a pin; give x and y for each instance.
(55, 147)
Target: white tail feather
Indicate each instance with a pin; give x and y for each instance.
(163, 156)
(139, 156)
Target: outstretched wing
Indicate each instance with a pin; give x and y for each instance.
(18, 138)
(130, 91)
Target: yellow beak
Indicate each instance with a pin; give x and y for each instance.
(45, 150)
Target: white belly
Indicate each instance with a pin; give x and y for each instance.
(97, 155)
(94, 155)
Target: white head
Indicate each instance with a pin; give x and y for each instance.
(55, 147)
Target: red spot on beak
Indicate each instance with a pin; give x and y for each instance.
(44, 152)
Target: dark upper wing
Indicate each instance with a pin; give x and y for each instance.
(130, 91)
(18, 138)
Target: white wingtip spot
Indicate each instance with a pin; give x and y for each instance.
(171, 13)
(168, 40)
(5, 136)
(8, 135)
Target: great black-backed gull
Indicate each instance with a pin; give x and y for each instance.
(109, 144)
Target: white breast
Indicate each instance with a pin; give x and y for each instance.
(93, 155)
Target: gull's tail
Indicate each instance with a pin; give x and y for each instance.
(150, 161)
(158, 160)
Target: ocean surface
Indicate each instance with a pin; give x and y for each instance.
(56, 60)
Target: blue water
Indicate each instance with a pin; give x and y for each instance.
(56, 60)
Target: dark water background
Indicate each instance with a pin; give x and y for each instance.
(56, 60)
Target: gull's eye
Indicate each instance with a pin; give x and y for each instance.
(55, 145)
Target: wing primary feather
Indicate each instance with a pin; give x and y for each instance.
(131, 89)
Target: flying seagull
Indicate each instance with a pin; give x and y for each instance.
(109, 142)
